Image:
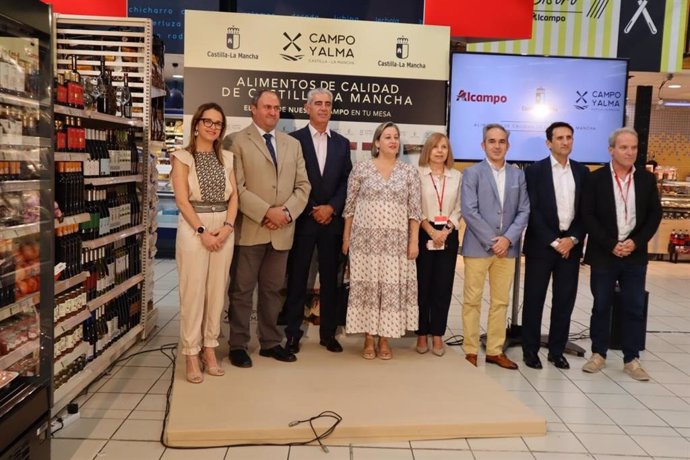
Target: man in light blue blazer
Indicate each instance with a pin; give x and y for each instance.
(495, 206)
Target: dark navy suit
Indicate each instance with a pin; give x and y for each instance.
(327, 188)
(542, 262)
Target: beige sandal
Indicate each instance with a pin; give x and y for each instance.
(369, 352)
(385, 352)
(194, 373)
(214, 370)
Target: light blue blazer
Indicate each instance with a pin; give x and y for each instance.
(483, 214)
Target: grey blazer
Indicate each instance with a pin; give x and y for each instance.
(483, 214)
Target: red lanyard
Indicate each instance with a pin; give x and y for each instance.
(624, 196)
(439, 198)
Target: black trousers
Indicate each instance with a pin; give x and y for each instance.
(435, 274)
(538, 272)
(328, 246)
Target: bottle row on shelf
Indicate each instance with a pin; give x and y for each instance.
(112, 152)
(95, 93)
(111, 265)
(111, 208)
(99, 331)
(17, 331)
(103, 328)
(69, 304)
(679, 238)
(19, 74)
(17, 121)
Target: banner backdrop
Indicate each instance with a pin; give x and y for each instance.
(376, 71)
(650, 33)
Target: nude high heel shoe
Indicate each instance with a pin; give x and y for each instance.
(193, 372)
(211, 366)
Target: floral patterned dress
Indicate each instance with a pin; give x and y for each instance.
(383, 281)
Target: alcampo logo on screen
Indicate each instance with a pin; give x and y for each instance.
(486, 98)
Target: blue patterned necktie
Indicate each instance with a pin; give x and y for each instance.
(271, 150)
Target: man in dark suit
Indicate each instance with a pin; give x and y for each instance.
(553, 245)
(327, 159)
(621, 213)
(272, 187)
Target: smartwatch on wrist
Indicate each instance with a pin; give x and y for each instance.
(201, 229)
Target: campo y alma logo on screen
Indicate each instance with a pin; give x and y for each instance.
(489, 98)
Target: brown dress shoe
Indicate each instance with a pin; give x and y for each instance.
(501, 360)
(472, 358)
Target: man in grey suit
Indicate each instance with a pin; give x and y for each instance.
(495, 207)
(273, 188)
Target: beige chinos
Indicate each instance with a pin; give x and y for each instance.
(204, 275)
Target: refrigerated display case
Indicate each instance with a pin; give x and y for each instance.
(26, 229)
(672, 235)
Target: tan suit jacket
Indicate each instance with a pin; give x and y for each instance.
(260, 187)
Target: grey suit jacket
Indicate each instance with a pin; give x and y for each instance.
(485, 217)
(260, 186)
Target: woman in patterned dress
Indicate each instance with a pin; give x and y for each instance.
(204, 183)
(382, 214)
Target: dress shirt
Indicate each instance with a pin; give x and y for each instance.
(273, 137)
(450, 206)
(500, 178)
(624, 195)
(564, 187)
(320, 145)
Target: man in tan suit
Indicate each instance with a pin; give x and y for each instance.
(273, 189)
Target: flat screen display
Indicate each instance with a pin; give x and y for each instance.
(526, 94)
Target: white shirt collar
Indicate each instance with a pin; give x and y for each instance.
(425, 170)
(262, 132)
(555, 162)
(630, 174)
(313, 130)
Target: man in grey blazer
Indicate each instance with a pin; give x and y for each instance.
(273, 188)
(495, 206)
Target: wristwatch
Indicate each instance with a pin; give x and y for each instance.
(201, 229)
(286, 211)
(575, 240)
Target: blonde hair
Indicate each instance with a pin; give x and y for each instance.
(431, 142)
(377, 136)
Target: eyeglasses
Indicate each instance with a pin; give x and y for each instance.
(210, 123)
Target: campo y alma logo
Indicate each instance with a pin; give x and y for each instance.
(292, 42)
(232, 39)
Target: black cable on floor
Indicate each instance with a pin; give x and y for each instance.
(455, 340)
(327, 414)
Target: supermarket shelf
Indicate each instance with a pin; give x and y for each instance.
(115, 292)
(32, 155)
(8, 233)
(74, 386)
(21, 306)
(112, 180)
(63, 285)
(18, 100)
(73, 220)
(62, 363)
(97, 116)
(14, 356)
(71, 156)
(70, 323)
(24, 141)
(22, 185)
(98, 242)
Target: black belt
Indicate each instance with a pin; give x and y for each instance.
(209, 206)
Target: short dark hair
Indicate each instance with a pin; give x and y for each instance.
(260, 92)
(557, 124)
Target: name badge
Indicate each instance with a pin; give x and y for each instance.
(440, 220)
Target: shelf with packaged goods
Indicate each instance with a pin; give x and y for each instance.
(15, 355)
(74, 386)
(72, 156)
(63, 285)
(23, 185)
(115, 292)
(17, 231)
(69, 323)
(97, 181)
(24, 305)
(62, 363)
(98, 117)
(73, 220)
(98, 242)
(18, 140)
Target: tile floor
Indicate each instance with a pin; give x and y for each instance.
(605, 416)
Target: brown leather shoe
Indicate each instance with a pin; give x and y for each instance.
(501, 360)
(472, 358)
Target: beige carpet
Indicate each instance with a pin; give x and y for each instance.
(411, 397)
